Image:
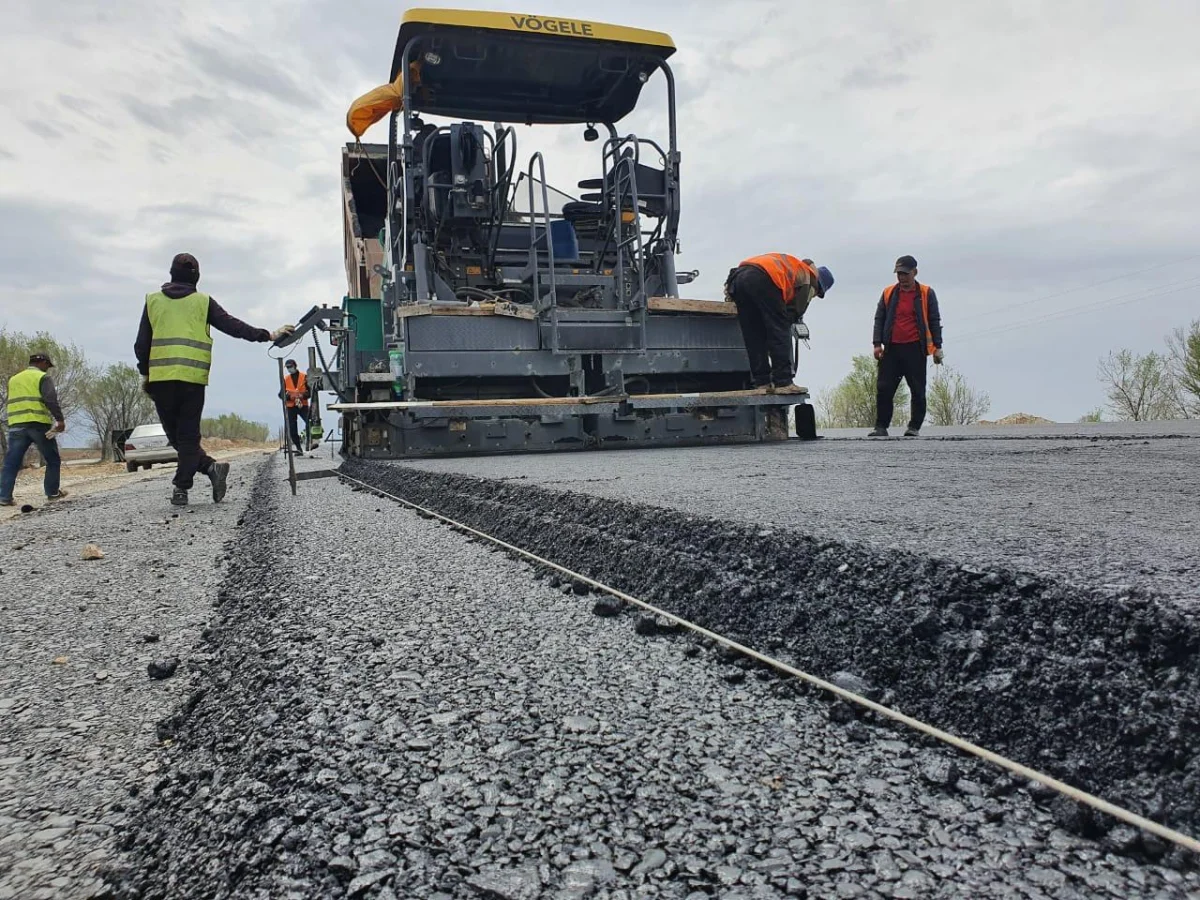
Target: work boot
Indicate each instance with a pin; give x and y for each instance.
(179, 497)
(56, 496)
(912, 432)
(878, 432)
(219, 476)
(8, 502)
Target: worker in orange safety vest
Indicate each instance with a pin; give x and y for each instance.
(908, 331)
(295, 395)
(772, 292)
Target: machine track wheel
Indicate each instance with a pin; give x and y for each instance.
(806, 422)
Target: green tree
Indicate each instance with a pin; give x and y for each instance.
(852, 403)
(952, 401)
(1096, 415)
(114, 400)
(1183, 361)
(69, 373)
(232, 427)
(1139, 387)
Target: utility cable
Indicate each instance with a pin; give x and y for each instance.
(1084, 287)
(1161, 291)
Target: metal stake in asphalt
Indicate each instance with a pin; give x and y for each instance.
(287, 438)
(1131, 818)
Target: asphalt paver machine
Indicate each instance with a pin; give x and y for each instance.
(489, 312)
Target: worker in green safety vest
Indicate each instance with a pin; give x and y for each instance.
(34, 417)
(174, 355)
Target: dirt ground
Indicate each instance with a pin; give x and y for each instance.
(80, 478)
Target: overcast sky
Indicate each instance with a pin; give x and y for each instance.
(1024, 152)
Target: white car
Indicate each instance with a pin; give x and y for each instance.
(146, 446)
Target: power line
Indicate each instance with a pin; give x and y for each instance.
(1160, 291)
(1100, 304)
(1084, 287)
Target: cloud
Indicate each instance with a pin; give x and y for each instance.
(181, 115)
(873, 75)
(45, 247)
(231, 62)
(45, 130)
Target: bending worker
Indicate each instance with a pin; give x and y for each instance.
(34, 417)
(174, 355)
(295, 387)
(772, 293)
(908, 330)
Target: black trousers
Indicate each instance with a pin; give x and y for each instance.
(766, 326)
(180, 406)
(294, 413)
(901, 361)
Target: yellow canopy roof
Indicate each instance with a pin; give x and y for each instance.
(586, 71)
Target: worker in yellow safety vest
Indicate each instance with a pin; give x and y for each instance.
(174, 355)
(34, 417)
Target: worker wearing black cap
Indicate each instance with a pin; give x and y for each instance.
(908, 329)
(174, 355)
(34, 417)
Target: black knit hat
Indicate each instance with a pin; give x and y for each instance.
(185, 269)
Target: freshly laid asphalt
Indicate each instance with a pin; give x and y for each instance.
(1094, 504)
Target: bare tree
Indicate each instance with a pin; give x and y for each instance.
(852, 403)
(952, 401)
(69, 372)
(1139, 387)
(232, 427)
(114, 400)
(1183, 361)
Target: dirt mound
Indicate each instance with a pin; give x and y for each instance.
(1019, 419)
(211, 444)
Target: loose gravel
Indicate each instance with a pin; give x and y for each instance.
(412, 714)
(78, 708)
(1099, 687)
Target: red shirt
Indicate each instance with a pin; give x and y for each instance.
(905, 331)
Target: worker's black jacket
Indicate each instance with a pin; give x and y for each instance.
(217, 318)
(885, 317)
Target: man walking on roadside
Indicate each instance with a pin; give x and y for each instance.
(908, 328)
(34, 417)
(772, 292)
(174, 355)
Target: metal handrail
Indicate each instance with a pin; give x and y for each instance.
(625, 177)
(533, 241)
